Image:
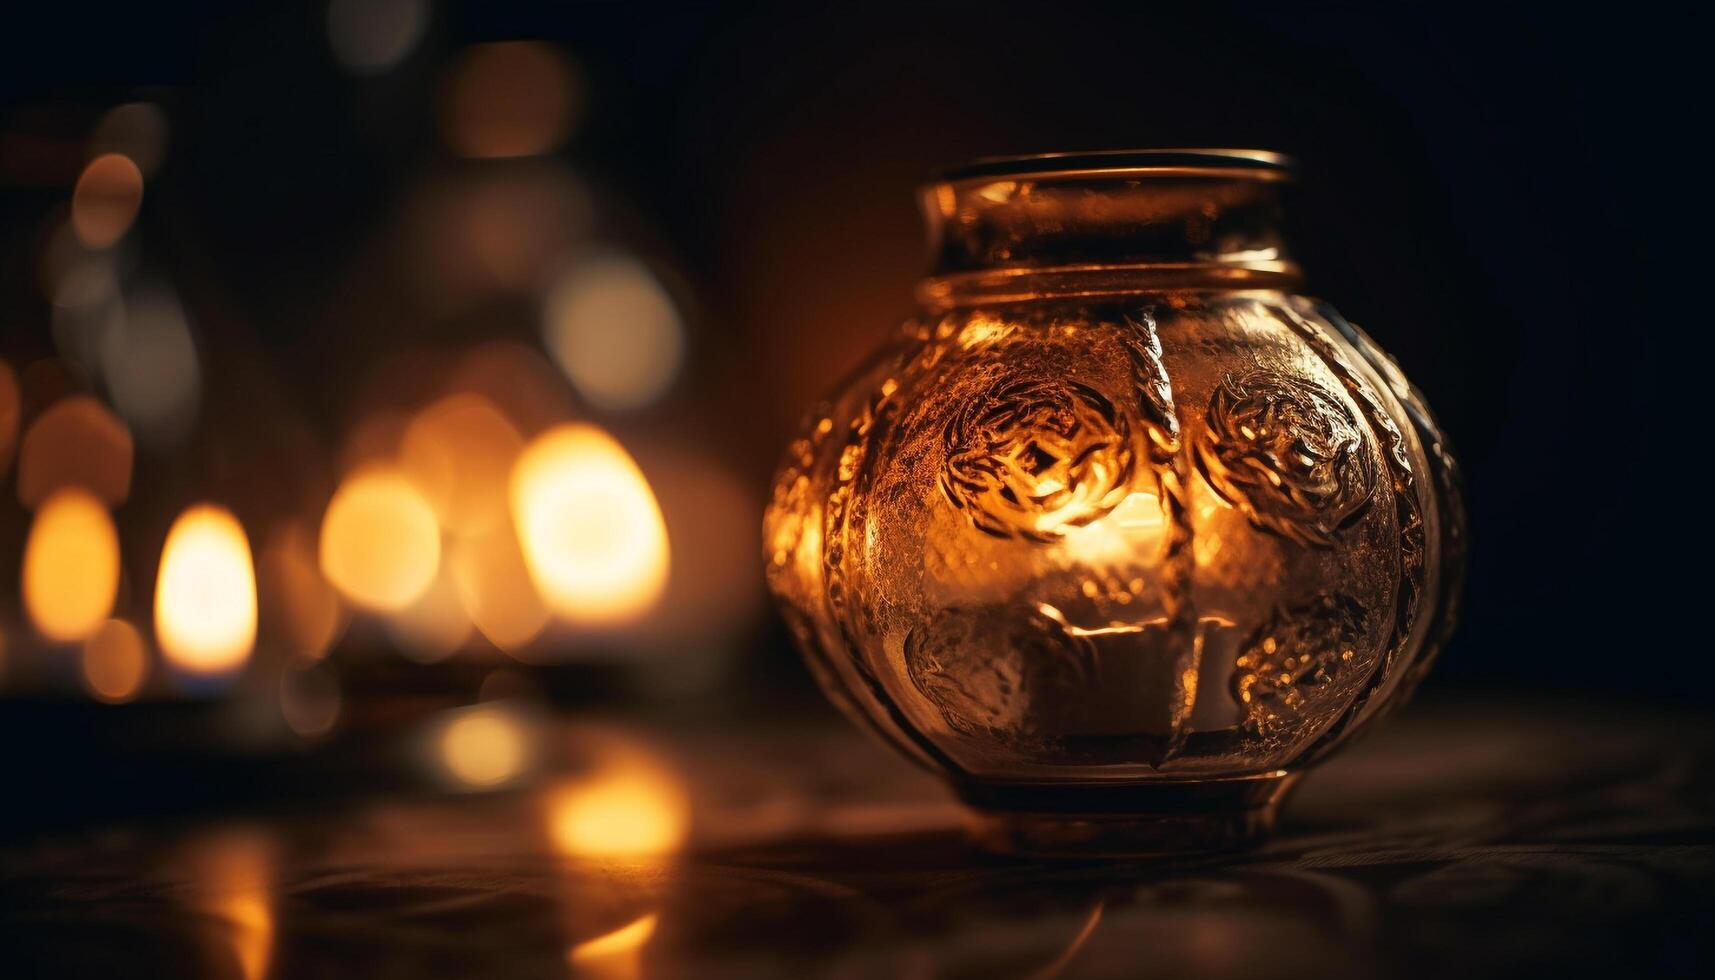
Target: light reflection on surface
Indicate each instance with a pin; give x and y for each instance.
(630, 808)
(71, 566)
(593, 536)
(615, 954)
(205, 595)
(230, 878)
(115, 662)
(380, 542)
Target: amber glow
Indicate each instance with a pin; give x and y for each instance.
(592, 533)
(75, 443)
(308, 607)
(508, 99)
(380, 543)
(205, 595)
(459, 452)
(626, 810)
(71, 566)
(115, 662)
(106, 200)
(433, 626)
(484, 747)
(495, 589)
(615, 954)
(230, 882)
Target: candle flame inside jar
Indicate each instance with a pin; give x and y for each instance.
(593, 536)
(205, 595)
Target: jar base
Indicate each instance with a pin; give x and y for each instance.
(1155, 819)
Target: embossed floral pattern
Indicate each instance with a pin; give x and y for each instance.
(1296, 650)
(1288, 453)
(1036, 457)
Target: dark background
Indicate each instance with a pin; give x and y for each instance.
(1486, 192)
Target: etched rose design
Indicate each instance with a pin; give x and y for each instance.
(1288, 453)
(1037, 457)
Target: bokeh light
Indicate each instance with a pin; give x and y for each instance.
(205, 594)
(310, 698)
(138, 130)
(11, 413)
(509, 99)
(614, 330)
(592, 534)
(106, 199)
(71, 566)
(614, 954)
(495, 589)
(459, 452)
(308, 609)
(115, 662)
(484, 747)
(380, 542)
(149, 361)
(77, 442)
(369, 37)
(435, 625)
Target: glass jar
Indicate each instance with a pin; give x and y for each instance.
(1120, 533)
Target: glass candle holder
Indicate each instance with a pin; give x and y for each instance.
(1120, 534)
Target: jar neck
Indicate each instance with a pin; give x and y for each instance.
(1106, 223)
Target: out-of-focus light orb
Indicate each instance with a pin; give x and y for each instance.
(71, 566)
(508, 99)
(230, 883)
(308, 607)
(87, 309)
(106, 199)
(517, 380)
(11, 412)
(484, 747)
(369, 37)
(434, 626)
(137, 130)
(459, 452)
(624, 811)
(592, 533)
(115, 662)
(205, 593)
(614, 330)
(310, 698)
(494, 585)
(75, 443)
(614, 953)
(380, 542)
(150, 365)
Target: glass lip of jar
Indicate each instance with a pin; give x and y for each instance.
(1166, 162)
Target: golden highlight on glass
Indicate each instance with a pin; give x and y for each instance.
(1120, 533)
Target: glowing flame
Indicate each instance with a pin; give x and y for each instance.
(205, 595)
(630, 811)
(593, 536)
(71, 566)
(380, 543)
(484, 747)
(115, 662)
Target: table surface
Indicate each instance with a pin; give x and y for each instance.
(1466, 838)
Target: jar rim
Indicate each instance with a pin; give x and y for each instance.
(1176, 161)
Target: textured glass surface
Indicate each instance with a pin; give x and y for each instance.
(1079, 524)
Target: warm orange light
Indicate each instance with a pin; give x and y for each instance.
(614, 954)
(231, 877)
(434, 626)
(205, 594)
(592, 533)
(75, 443)
(508, 99)
(71, 566)
(295, 591)
(495, 588)
(106, 200)
(623, 811)
(115, 662)
(484, 747)
(459, 452)
(380, 543)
